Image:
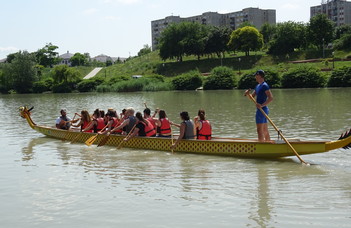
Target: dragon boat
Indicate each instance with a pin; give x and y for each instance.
(249, 148)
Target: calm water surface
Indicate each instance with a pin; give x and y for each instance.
(46, 182)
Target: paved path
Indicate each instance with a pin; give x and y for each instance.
(93, 73)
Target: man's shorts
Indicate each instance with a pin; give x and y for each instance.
(260, 118)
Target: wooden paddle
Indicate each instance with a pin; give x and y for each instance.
(279, 132)
(92, 139)
(172, 139)
(120, 144)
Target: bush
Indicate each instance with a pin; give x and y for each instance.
(187, 81)
(303, 77)
(272, 78)
(62, 88)
(340, 77)
(221, 78)
(89, 84)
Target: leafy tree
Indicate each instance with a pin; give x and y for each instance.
(268, 31)
(47, 56)
(145, 50)
(342, 30)
(181, 39)
(10, 57)
(246, 39)
(320, 30)
(20, 74)
(170, 43)
(288, 37)
(79, 59)
(344, 43)
(217, 41)
(65, 74)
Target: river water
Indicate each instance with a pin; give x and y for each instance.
(47, 182)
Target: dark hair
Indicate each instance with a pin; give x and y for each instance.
(201, 114)
(111, 113)
(147, 111)
(162, 114)
(185, 115)
(139, 116)
(97, 113)
(102, 113)
(124, 111)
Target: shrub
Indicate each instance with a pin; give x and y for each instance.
(340, 77)
(187, 81)
(89, 84)
(221, 78)
(303, 77)
(249, 81)
(43, 85)
(62, 88)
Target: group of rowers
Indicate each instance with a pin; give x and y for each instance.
(130, 124)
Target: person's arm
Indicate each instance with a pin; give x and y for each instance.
(181, 135)
(174, 124)
(124, 123)
(134, 133)
(78, 125)
(269, 98)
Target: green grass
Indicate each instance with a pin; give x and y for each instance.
(151, 64)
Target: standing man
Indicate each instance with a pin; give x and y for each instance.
(264, 96)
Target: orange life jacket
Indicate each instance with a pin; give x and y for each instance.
(205, 132)
(149, 129)
(165, 128)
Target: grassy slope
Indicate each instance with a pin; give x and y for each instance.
(152, 64)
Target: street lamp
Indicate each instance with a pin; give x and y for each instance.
(239, 59)
(333, 59)
(323, 47)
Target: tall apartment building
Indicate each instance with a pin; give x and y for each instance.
(338, 11)
(254, 16)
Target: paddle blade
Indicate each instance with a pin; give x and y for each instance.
(91, 140)
(103, 141)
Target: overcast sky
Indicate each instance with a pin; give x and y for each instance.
(118, 28)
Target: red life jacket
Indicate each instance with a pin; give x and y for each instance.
(152, 121)
(85, 125)
(149, 129)
(100, 124)
(205, 132)
(116, 123)
(165, 128)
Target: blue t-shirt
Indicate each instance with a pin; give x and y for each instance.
(260, 91)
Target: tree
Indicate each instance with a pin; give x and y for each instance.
(65, 74)
(288, 36)
(170, 44)
(21, 73)
(246, 39)
(47, 56)
(218, 39)
(145, 50)
(181, 39)
(320, 30)
(78, 59)
(268, 31)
